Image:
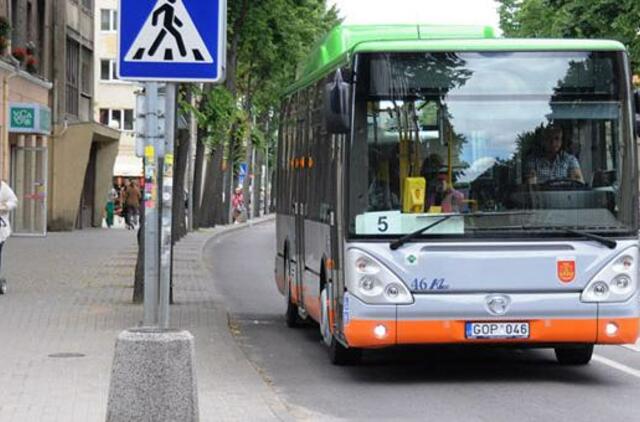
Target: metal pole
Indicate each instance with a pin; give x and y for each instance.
(150, 209)
(167, 202)
(193, 139)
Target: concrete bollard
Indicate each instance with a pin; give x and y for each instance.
(153, 377)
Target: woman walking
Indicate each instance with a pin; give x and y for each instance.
(8, 202)
(237, 203)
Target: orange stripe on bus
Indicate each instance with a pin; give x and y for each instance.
(312, 305)
(628, 330)
(545, 330)
(295, 297)
(359, 333)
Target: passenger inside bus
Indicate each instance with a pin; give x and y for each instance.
(384, 183)
(440, 195)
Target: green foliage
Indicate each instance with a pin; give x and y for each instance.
(611, 19)
(239, 132)
(278, 35)
(214, 114)
(273, 36)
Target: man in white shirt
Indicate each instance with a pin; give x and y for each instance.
(8, 202)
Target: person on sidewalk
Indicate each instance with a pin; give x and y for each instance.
(8, 202)
(110, 207)
(132, 204)
(237, 202)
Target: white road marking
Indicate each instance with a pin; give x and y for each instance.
(616, 365)
(635, 347)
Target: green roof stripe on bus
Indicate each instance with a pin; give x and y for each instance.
(345, 40)
(497, 44)
(335, 48)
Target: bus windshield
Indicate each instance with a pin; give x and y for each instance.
(534, 142)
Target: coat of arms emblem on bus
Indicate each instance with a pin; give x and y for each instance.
(566, 270)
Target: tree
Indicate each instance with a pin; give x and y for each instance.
(267, 40)
(612, 19)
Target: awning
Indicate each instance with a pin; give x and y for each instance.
(129, 166)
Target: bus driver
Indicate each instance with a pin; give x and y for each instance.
(554, 163)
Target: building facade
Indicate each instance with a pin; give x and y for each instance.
(115, 100)
(83, 151)
(26, 94)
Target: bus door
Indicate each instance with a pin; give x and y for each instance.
(336, 222)
(300, 203)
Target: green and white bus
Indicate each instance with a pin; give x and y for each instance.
(441, 185)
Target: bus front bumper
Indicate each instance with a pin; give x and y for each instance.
(441, 319)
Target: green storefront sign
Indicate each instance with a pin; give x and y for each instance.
(29, 118)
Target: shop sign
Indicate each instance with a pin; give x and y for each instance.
(29, 118)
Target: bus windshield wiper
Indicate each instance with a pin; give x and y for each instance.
(609, 243)
(404, 239)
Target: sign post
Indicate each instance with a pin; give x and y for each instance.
(161, 41)
(152, 114)
(166, 206)
(166, 41)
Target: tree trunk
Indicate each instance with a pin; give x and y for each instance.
(138, 281)
(181, 154)
(230, 181)
(218, 185)
(210, 201)
(232, 52)
(197, 179)
(257, 184)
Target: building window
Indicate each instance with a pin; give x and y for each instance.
(72, 77)
(87, 72)
(108, 70)
(108, 20)
(87, 4)
(128, 119)
(118, 118)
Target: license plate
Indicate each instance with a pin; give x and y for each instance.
(492, 330)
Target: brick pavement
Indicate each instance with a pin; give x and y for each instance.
(69, 297)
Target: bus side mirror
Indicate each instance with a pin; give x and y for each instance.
(336, 105)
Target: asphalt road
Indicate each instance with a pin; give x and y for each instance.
(431, 383)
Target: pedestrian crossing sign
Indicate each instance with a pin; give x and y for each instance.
(172, 40)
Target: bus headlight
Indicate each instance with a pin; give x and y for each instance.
(372, 282)
(370, 286)
(621, 284)
(616, 282)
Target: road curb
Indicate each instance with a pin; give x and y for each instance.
(229, 229)
(279, 408)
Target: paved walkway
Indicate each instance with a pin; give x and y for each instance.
(69, 297)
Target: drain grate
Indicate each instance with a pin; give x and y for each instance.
(67, 355)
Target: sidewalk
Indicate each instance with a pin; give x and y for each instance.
(69, 297)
